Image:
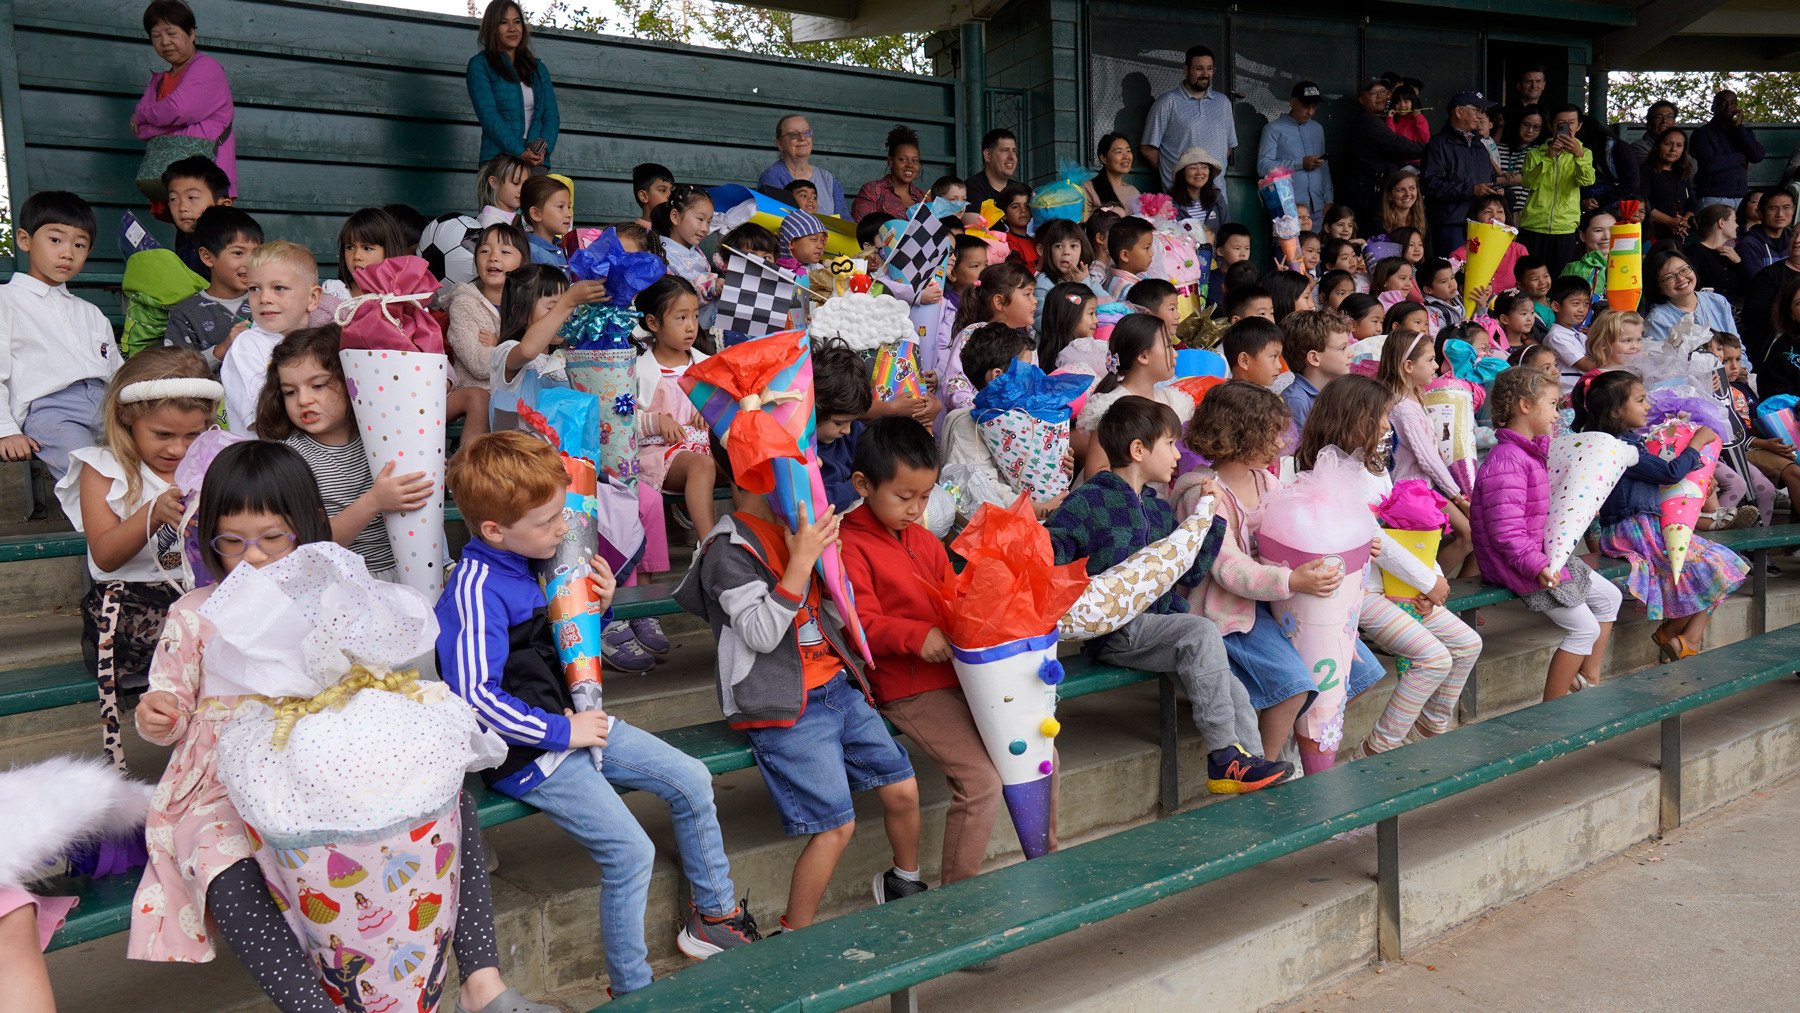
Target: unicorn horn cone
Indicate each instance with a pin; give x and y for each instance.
(1011, 689)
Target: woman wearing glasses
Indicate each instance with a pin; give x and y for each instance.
(794, 138)
(1674, 292)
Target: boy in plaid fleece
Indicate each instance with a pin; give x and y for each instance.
(1113, 515)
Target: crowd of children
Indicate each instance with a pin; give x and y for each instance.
(1331, 357)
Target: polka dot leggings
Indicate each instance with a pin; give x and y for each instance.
(247, 917)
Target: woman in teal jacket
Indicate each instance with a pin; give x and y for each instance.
(511, 90)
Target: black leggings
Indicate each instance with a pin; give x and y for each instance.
(247, 917)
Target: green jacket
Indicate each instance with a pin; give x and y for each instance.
(1592, 267)
(1554, 206)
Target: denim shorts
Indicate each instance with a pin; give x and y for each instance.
(838, 747)
(1269, 667)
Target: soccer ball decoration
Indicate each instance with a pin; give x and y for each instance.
(448, 246)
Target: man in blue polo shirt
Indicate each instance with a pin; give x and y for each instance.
(1190, 115)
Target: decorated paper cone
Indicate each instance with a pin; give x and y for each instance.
(1487, 246)
(1424, 545)
(1625, 263)
(1681, 502)
(1323, 632)
(1452, 414)
(609, 374)
(1011, 690)
(1028, 451)
(1781, 425)
(1583, 467)
(1122, 593)
(896, 371)
(399, 398)
(575, 617)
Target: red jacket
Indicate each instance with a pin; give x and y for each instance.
(899, 609)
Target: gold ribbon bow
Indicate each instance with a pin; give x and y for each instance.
(290, 709)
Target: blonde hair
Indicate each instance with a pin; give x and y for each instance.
(1606, 331)
(280, 251)
(500, 476)
(155, 363)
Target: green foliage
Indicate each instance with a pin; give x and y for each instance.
(730, 26)
(1765, 98)
(6, 231)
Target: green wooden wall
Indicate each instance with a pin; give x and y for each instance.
(341, 107)
(1033, 48)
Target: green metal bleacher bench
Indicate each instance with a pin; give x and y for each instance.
(889, 949)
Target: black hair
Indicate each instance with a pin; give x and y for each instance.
(1285, 288)
(1149, 292)
(1597, 401)
(645, 175)
(220, 225)
(1653, 271)
(1062, 307)
(654, 301)
(1012, 192)
(1358, 304)
(1229, 231)
(1239, 296)
(523, 66)
(1521, 353)
(1397, 314)
(1331, 280)
(888, 443)
(870, 224)
(524, 287)
(1244, 274)
(173, 11)
(991, 347)
(1508, 301)
(682, 197)
(1529, 262)
(1132, 419)
(721, 459)
(1329, 250)
(510, 233)
(1132, 336)
(412, 224)
(1096, 228)
(901, 136)
(938, 185)
(1059, 230)
(1195, 52)
(1429, 269)
(751, 238)
(841, 384)
(260, 476)
(998, 281)
(57, 207)
(795, 186)
(1509, 134)
(1103, 187)
(1126, 233)
(1566, 285)
(201, 168)
(995, 136)
(376, 226)
(1249, 336)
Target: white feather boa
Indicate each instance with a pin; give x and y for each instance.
(58, 802)
(1097, 404)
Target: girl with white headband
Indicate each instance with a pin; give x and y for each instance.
(122, 495)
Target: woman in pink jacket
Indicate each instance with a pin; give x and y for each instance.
(1509, 517)
(193, 97)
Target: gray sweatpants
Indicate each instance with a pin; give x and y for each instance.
(1189, 647)
(64, 421)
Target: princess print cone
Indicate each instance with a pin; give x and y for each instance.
(1321, 516)
(1487, 246)
(1583, 467)
(1681, 502)
(398, 379)
(1003, 610)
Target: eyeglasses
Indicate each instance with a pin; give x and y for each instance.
(798, 135)
(270, 542)
(1676, 274)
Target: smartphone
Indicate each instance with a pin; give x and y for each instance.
(1563, 129)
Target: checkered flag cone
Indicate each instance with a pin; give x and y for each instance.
(922, 247)
(756, 297)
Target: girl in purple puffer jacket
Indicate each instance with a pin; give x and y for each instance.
(1508, 517)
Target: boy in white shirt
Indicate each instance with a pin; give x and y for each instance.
(208, 320)
(56, 349)
(1570, 300)
(284, 290)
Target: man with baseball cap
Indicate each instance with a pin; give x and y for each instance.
(1295, 141)
(1457, 170)
(1375, 151)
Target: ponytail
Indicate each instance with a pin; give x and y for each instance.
(1132, 336)
(997, 281)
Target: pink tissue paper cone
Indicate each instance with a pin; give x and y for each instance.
(1681, 502)
(1584, 467)
(399, 398)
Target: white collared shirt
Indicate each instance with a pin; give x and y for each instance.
(50, 339)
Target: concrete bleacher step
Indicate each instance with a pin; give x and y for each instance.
(35, 638)
(547, 893)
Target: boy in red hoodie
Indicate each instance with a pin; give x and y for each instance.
(893, 563)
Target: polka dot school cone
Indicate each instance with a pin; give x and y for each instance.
(1583, 467)
(1681, 502)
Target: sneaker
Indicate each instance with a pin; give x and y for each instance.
(1771, 570)
(1233, 771)
(704, 936)
(650, 636)
(889, 886)
(1744, 517)
(619, 648)
(510, 1001)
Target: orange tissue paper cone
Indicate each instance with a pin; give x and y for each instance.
(1010, 587)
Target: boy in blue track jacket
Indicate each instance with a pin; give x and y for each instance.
(496, 651)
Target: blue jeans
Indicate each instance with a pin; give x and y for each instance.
(836, 748)
(582, 801)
